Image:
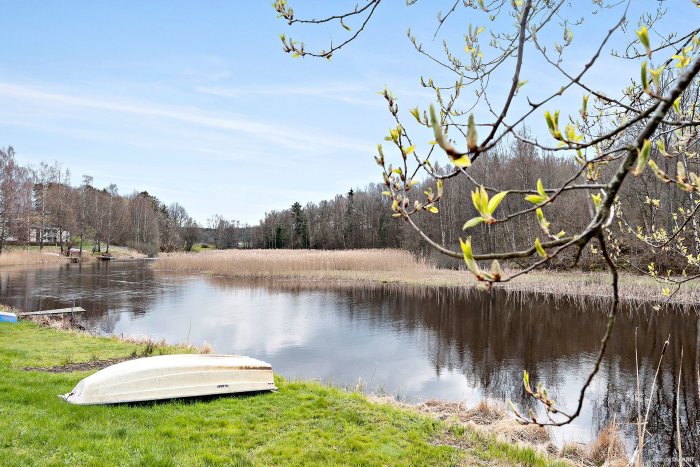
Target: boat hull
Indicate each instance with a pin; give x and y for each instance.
(7, 317)
(172, 377)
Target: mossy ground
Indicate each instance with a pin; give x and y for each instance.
(303, 423)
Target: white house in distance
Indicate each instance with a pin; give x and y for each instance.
(49, 235)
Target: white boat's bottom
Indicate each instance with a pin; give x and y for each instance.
(173, 377)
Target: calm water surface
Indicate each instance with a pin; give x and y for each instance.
(417, 343)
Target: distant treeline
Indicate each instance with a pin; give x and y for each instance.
(39, 205)
(361, 218)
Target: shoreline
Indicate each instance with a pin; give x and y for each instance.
(489, 422)
(353, 266)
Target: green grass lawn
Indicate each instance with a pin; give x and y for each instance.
(303, 423)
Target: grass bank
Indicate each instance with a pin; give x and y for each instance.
(304, 423)
(398, 266)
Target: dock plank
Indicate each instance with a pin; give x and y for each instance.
(59, 311)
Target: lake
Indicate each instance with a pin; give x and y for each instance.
(415, 343)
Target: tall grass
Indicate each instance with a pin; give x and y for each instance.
(28, 257)
(292, 263)
(399, 266)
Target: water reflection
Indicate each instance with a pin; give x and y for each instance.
(419, 343)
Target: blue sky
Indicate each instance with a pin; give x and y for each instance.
(196, 103)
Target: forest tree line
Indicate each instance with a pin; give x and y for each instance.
(360, 218)
(35, 200)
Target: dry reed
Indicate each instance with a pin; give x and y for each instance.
(316, 264)
(398, 266)
(608, 448)
(28, 257)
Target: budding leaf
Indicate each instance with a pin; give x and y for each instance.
(553, 124)
(496, 200)
(544, 224)
(538, 247)
(541, 195)
(496, 271)
(642, 158)
(416, 114)
(469, 256)
(472, 136)
(472, 223)
(643, 36)
(457, 158)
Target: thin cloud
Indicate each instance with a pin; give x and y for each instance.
(343, 93)
(282, 135)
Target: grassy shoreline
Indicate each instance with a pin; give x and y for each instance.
(304, 422)
(400, 267)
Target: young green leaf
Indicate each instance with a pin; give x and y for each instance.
(541, 195)
(457, 158)
(526, 382)
(472, 223)
(495, 201)
(553, 124)
(469, 256)
(544, 224)
(416, 114)
(643, 36)
(540, 188)
(661, 147)
(642, 158)
(540, 250)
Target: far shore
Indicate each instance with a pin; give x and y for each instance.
(400, 267)
(379, 266)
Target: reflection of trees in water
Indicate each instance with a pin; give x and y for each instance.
(103, 289)
(491, 338)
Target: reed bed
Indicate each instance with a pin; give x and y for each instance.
(320, 264)
(401, 267)
(28, 257)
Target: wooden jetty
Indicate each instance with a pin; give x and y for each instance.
(58, 311)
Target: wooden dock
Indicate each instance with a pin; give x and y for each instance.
(59, 311)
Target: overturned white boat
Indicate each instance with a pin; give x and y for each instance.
(171, 377)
